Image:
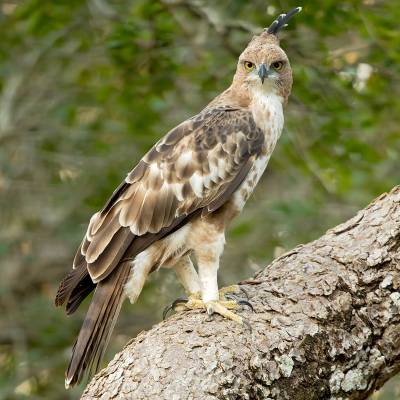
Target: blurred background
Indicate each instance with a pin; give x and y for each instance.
(86, 87)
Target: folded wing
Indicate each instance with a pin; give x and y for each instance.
(195, 166)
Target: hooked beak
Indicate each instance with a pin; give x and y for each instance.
(262, 72)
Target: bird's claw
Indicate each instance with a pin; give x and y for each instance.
(246, 303)
(172, 306)
(229, 293)
(224, 306)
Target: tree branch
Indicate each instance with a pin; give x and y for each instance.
(326, 325)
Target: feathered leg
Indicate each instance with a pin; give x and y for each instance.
(188, 276)
(208, 256)
(142, 265)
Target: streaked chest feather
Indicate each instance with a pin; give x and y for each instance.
(246, 188)
(268, 115)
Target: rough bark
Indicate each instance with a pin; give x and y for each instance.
(326, 326)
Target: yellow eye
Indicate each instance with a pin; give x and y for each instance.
(249, 66)
(277, 65)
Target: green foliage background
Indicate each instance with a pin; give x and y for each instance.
(86, 87)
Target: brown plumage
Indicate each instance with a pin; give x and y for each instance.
(178, 200)
(96, 329)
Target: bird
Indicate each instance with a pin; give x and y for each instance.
(173, 207)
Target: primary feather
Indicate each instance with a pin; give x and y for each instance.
(178, 200)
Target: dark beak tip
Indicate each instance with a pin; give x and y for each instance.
(262, 72)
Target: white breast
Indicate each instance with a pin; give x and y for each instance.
(268, 116)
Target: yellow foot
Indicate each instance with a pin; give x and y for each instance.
(232, 289)
(193, 299)
(194, 296)
(222, 307)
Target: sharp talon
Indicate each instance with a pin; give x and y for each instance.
(179, 300)
(246, 303)
(167, 309)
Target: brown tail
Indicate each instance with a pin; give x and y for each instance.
(74, 288)
(98, 325)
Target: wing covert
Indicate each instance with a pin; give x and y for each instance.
(197, 165)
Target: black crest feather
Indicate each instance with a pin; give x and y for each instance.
(282, 21)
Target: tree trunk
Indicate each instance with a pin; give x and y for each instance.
(326, 325)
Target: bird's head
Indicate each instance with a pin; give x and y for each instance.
(263, 66)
